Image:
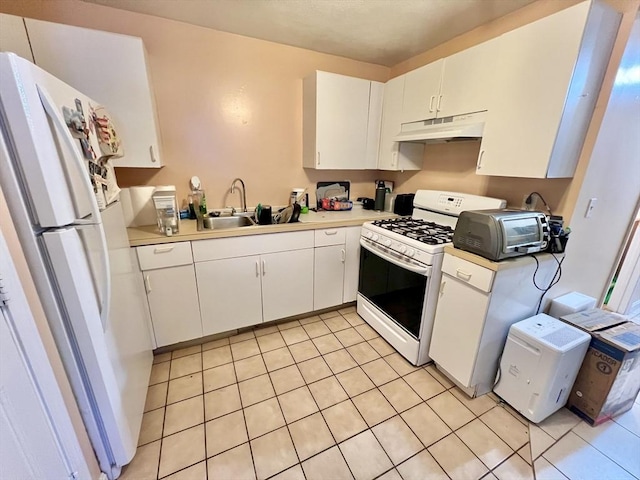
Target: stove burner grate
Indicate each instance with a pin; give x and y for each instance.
(421, 230)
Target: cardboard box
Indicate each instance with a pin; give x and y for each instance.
(594, 320)
(609, 378)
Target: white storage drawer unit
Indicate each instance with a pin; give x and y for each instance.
(219, 248)
(477, 304)
(469, 273)
(330, 236)
(170, 284)
(164, 255)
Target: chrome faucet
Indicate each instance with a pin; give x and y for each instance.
(244, 193)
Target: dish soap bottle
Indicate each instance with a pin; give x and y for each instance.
(380, 194)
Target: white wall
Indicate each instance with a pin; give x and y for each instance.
(613, 177)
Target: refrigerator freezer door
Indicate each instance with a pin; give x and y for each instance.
(43, 155)
(71, 273)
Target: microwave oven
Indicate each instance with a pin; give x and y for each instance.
(500, 234)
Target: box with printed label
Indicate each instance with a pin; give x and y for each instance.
(594, 320)
(609, 379)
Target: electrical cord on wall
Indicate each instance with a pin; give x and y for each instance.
(529, 199)
(556, 278)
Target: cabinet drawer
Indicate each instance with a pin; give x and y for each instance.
(467, 272)
(164, 255)
(330, 236)
(219, 248)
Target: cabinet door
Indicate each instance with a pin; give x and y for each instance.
(457, 328)
(394, 155)
(13, 36)
(111, 69)
(287, 283)
(532, 77)
(467, 80)
(229, 293)
(173, 301)
(351, 264)
(421, 89)
(328, 276)
(342, 118)
(373, 125)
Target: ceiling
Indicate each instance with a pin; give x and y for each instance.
(384, 32)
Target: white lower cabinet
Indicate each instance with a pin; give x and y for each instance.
(173, 302)
(230, 293)
(328, 276)
(351, 264)
(248, 280)
(287, 283)
(336, 266)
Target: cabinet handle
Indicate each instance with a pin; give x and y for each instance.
(147, 283)
(480, 160)
(394, 159)
(264, 268)
(439, 103)
(463, 275)
(330, 232)
(257, 268)
(433, 97)
(153, 157)
(444, 282)
(162, 249)
(343, 255)
(318, 159)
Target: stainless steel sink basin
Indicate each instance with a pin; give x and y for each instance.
(219, 223)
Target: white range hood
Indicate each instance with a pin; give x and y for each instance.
(460, 127)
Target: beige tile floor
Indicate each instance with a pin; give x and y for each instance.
(319, 398)
(564, 447)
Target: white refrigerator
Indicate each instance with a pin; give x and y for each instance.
(86, 275)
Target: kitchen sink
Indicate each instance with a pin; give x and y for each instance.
(219, 223)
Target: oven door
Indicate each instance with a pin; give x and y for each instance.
(395, 285)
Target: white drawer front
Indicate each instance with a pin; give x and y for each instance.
(219, 248)
(164, 255)
(330, 236)
(467, 272)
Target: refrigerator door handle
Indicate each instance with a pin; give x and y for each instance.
(61, 127)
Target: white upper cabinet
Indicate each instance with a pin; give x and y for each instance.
(454, 85)
(546, 83)
(421, 90)
(467, 80)
(394, 155)
(13, 36)
(110, 68)
(341, 122)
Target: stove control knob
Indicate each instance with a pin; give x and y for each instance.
(387, 243)
(411, 252)
(402, 249)
(375, 237)
(368, 234)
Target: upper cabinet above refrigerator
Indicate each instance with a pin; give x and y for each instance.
(112, 69)
(545, 87)
(13, 36)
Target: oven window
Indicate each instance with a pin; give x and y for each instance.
(397, 292)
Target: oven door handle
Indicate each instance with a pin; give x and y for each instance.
(424, 270)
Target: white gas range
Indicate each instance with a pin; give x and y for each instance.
(400, 267)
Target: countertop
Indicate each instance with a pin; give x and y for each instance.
(491, 265)
(149, 235)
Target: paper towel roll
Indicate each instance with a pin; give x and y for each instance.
(137, 205)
